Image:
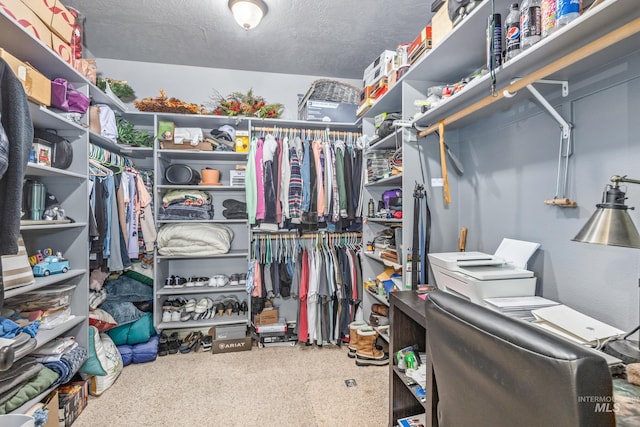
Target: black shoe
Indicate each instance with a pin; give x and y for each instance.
(243, 307)
(174, 343)
(163, 345)
(234, 205)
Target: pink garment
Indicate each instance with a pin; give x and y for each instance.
(260, 208)
(316, 146)
(303, 332)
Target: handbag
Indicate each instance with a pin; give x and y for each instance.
(61, 149)
(67, 98)
(16, 270)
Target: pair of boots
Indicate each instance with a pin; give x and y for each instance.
(362, 345)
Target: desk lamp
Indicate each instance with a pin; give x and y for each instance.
(611, 225)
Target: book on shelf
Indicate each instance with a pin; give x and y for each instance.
(419, 420)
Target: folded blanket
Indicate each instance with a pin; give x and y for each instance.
(186, 197)
(186, 212)
(38, 384)
(19, 374)
(199, 239)
(65, 364)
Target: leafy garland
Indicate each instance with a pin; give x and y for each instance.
(240, 104)
(119, 87)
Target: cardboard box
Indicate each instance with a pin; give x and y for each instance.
(25, 17)
(50, 404)
(378, 64)
(268, 316)
(36, 86)
(441, 25)
(242, 141)
(326, 111)
(420, 44)
(63, 49)
(41, 154)
(73, 398)
(230, 332)
(62, 22)
(42, 8)
(231, 345)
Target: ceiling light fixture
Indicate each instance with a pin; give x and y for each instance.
(611, 225)
(248, 13)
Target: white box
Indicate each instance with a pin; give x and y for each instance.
(236, 178)
(384, 57)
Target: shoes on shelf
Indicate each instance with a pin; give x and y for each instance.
(176, 315)
(185, 316)
(190, 306)
(242, 279)
(218, 281)
(234, 279)
(243, 307)
(166, 315)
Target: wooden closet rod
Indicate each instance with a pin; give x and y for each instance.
(579, 54)
(298, 130)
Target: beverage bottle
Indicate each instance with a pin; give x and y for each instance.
(512, 32)
(494, 41)
(530, 23)
(548, 17)
(371, 209)
(567, 11)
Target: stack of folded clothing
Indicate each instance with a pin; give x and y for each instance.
(183, 204)
(234, 209)
(22, 339)
(63, 356)
(24, 381)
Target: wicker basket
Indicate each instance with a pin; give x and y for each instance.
(331, 90)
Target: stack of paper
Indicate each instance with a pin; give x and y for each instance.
(519, 307)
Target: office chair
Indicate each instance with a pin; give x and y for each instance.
(493, 371)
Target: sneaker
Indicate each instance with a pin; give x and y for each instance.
(242, 280)
(175, 315)
(166, 315)
(234, 279)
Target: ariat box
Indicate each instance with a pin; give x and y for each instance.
(231, 345)
(36, 86)
(24, 16)
(230, 332)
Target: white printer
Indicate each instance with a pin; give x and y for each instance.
(476, 275)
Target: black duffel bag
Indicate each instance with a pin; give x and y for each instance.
(61, 148)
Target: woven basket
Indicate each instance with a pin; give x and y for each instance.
(332, 90)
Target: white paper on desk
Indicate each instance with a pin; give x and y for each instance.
(572, 324)
(516, 252)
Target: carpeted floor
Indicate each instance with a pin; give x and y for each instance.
(274, 386)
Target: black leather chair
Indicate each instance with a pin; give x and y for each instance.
(492, 370)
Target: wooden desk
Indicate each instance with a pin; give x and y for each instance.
(408, 327)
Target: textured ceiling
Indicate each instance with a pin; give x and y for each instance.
(332, 38)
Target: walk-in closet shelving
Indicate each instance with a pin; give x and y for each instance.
(235, 261)
(70, 187)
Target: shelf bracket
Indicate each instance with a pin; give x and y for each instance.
(566, 126)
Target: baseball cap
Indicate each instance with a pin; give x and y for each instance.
(225, 134)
